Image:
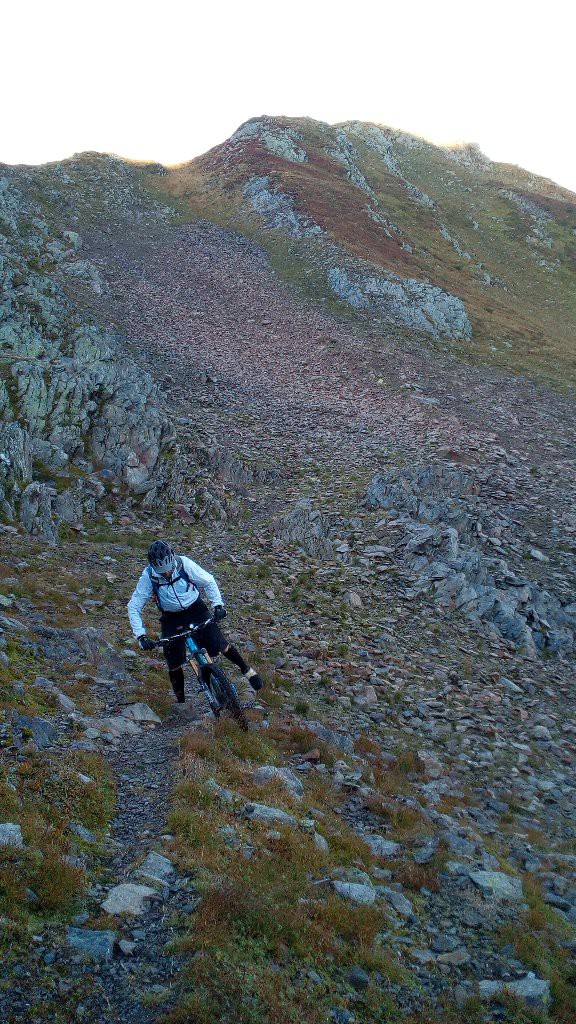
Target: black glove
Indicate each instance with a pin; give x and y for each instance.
(145, 642)
(219, 612)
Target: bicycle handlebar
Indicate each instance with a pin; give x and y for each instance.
(184, 634)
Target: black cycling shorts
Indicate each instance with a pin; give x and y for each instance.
(175, 622)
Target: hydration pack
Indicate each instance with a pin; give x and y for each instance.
(157, 585)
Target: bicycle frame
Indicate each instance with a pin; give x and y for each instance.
(198, 655)
(198, 658)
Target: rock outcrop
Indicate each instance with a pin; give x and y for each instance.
(308, 528)
(277, 209)
(406, 301)
(444, 545)
(72, 400)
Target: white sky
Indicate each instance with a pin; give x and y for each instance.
(168, 80)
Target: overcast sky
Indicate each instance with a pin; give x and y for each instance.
(167, 81)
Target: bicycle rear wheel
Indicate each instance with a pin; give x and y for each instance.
(225, 694)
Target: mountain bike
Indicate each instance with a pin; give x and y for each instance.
(219, 692)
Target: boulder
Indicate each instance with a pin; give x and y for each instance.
(535, 992)
(116, 726)
(396, 900)
(433, 768)
(11, 835)
(82, 832)
(261, 812)
(96, 945)
(382, 847)
(156, 868)
(498, 885)
(308, 528)
(341, 740)
(140, 713)
(355, 892)
(269, 772)
(320, 842)
(405, 301)
(128, 898)
(41, 731)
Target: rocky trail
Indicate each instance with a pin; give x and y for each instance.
(453, 748)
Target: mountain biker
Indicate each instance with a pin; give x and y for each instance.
(175, 583)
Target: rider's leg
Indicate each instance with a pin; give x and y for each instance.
(175, 655)
(233, 655)
(250, 674)
(215, 643)
(177, 680)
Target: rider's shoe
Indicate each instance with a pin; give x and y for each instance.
(256, 682)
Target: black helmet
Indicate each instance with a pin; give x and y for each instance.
(161, 556)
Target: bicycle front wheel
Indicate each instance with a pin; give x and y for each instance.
(226, 695)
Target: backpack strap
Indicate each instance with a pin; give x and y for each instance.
(182, 574)
(156, 585)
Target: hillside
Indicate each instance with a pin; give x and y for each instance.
(389, 510)
(372, 220)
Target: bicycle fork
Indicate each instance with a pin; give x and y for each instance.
(203, 688)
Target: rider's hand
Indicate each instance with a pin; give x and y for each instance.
(219, 613)
(145, 642)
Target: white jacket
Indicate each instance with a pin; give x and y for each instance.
(175, 594)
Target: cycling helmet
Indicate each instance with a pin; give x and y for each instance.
(161, 556)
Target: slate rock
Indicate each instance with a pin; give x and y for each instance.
(380, 846)
(42, 732)
(362, 895)
(117, 726)
(64, 701)
(320, 842)
(358, 979)
(261, 812)
(11, 835)
(498, 885)
(396, 900)
(534, 991)
(227, 796)
(510, 686)
(335, 739)
(128, 898)
(269, 772)
(140, 713)
(445, 944)
(455, 958)
(126, 947)
(341, 1016)
(424, 854)
(83, 833)
(155, 867)
(352, 874)
(98, 945)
